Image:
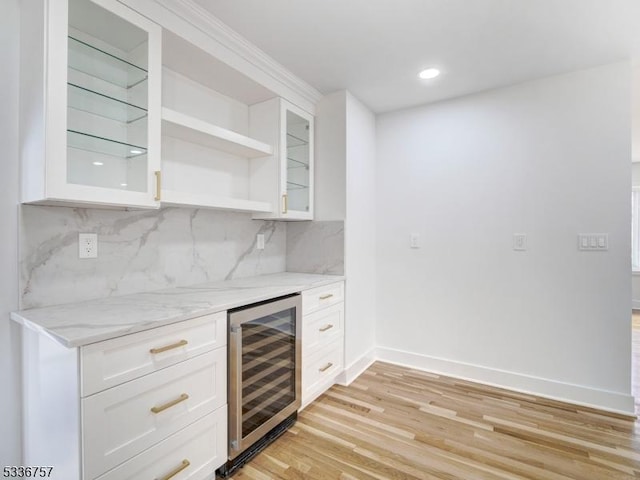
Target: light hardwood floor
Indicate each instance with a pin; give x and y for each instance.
(398, 423)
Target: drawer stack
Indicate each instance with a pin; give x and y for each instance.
(154, 403)
(322, 339)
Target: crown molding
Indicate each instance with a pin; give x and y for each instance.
(209, 24)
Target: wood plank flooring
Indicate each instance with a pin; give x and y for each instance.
(399, 423)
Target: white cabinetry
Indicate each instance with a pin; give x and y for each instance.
(90, 103)
(152, 402)
(286, 178)
(322, 339)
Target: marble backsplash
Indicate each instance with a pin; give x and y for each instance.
(139, 251)
(316, 247)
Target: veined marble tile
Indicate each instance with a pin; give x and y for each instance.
(316, 247)
(92, 321)
(139, 251)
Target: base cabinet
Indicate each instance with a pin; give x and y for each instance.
(170, 418)
(322, 339)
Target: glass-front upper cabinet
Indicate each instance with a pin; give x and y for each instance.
(290, 170)
(91, 104)
(297, 184)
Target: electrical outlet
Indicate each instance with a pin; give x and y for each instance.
(87, 245)
(260, 241)
(414, 240)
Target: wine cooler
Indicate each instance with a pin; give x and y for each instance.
(264, 375)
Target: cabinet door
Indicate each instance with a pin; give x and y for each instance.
(284, 179)
(101, 106)
(297, 162)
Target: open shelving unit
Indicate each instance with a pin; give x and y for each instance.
(207, 156)
(193, 130)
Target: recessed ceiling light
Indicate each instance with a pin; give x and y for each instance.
(123, 184)
(135, 152)
(429, 73)
(98, 164)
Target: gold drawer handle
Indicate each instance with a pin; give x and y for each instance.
(326, 327)
(158, 196)
(179, 344)
(326, 367)
(172, 403)
(185, 463)
(324, 297)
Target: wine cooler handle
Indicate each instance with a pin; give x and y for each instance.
(235, 387)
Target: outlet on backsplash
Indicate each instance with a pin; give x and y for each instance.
(260, 241)
(87, 245)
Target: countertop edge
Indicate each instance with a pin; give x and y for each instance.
(115, 333)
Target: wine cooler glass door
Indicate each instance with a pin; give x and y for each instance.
(264, 369)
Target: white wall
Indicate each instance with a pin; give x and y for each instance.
(635, 172)
(360, 236)
(549, 158)
(10, 443)
(635, 137)
(330, 157)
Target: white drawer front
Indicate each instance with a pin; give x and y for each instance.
(322, 297)
(112, 362)
(200, 449)
(322, 328)
(320, 370)
(119, 422)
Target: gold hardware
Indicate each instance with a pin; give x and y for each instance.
(172, 403)
(285, 203)
(185, 463)
(179, 344)
(324, 297)
(326, 367)
(158, 196)
(326, 327)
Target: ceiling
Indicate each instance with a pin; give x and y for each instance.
(375, 48)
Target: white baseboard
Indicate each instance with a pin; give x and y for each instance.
(354, 370)
(565, 392)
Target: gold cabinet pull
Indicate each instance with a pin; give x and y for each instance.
(326, 367)
(158, 196)
(285, 203)
(326, 327)
(170, 404)
(185, 463)
(324, 297)
(179, 344)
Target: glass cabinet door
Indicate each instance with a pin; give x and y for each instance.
(107, 98)
(112, 105)
(299, 164)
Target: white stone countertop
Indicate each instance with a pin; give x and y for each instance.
(77, 324)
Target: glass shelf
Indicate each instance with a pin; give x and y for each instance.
(93, 143)
(293, 141)
(295, 186)
(293, 163)
(86, 100)
(97, 63)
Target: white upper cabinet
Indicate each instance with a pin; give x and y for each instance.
(90, 123)
(286, 178)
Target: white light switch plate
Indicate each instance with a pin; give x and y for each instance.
(592, 242)
(519, 242)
